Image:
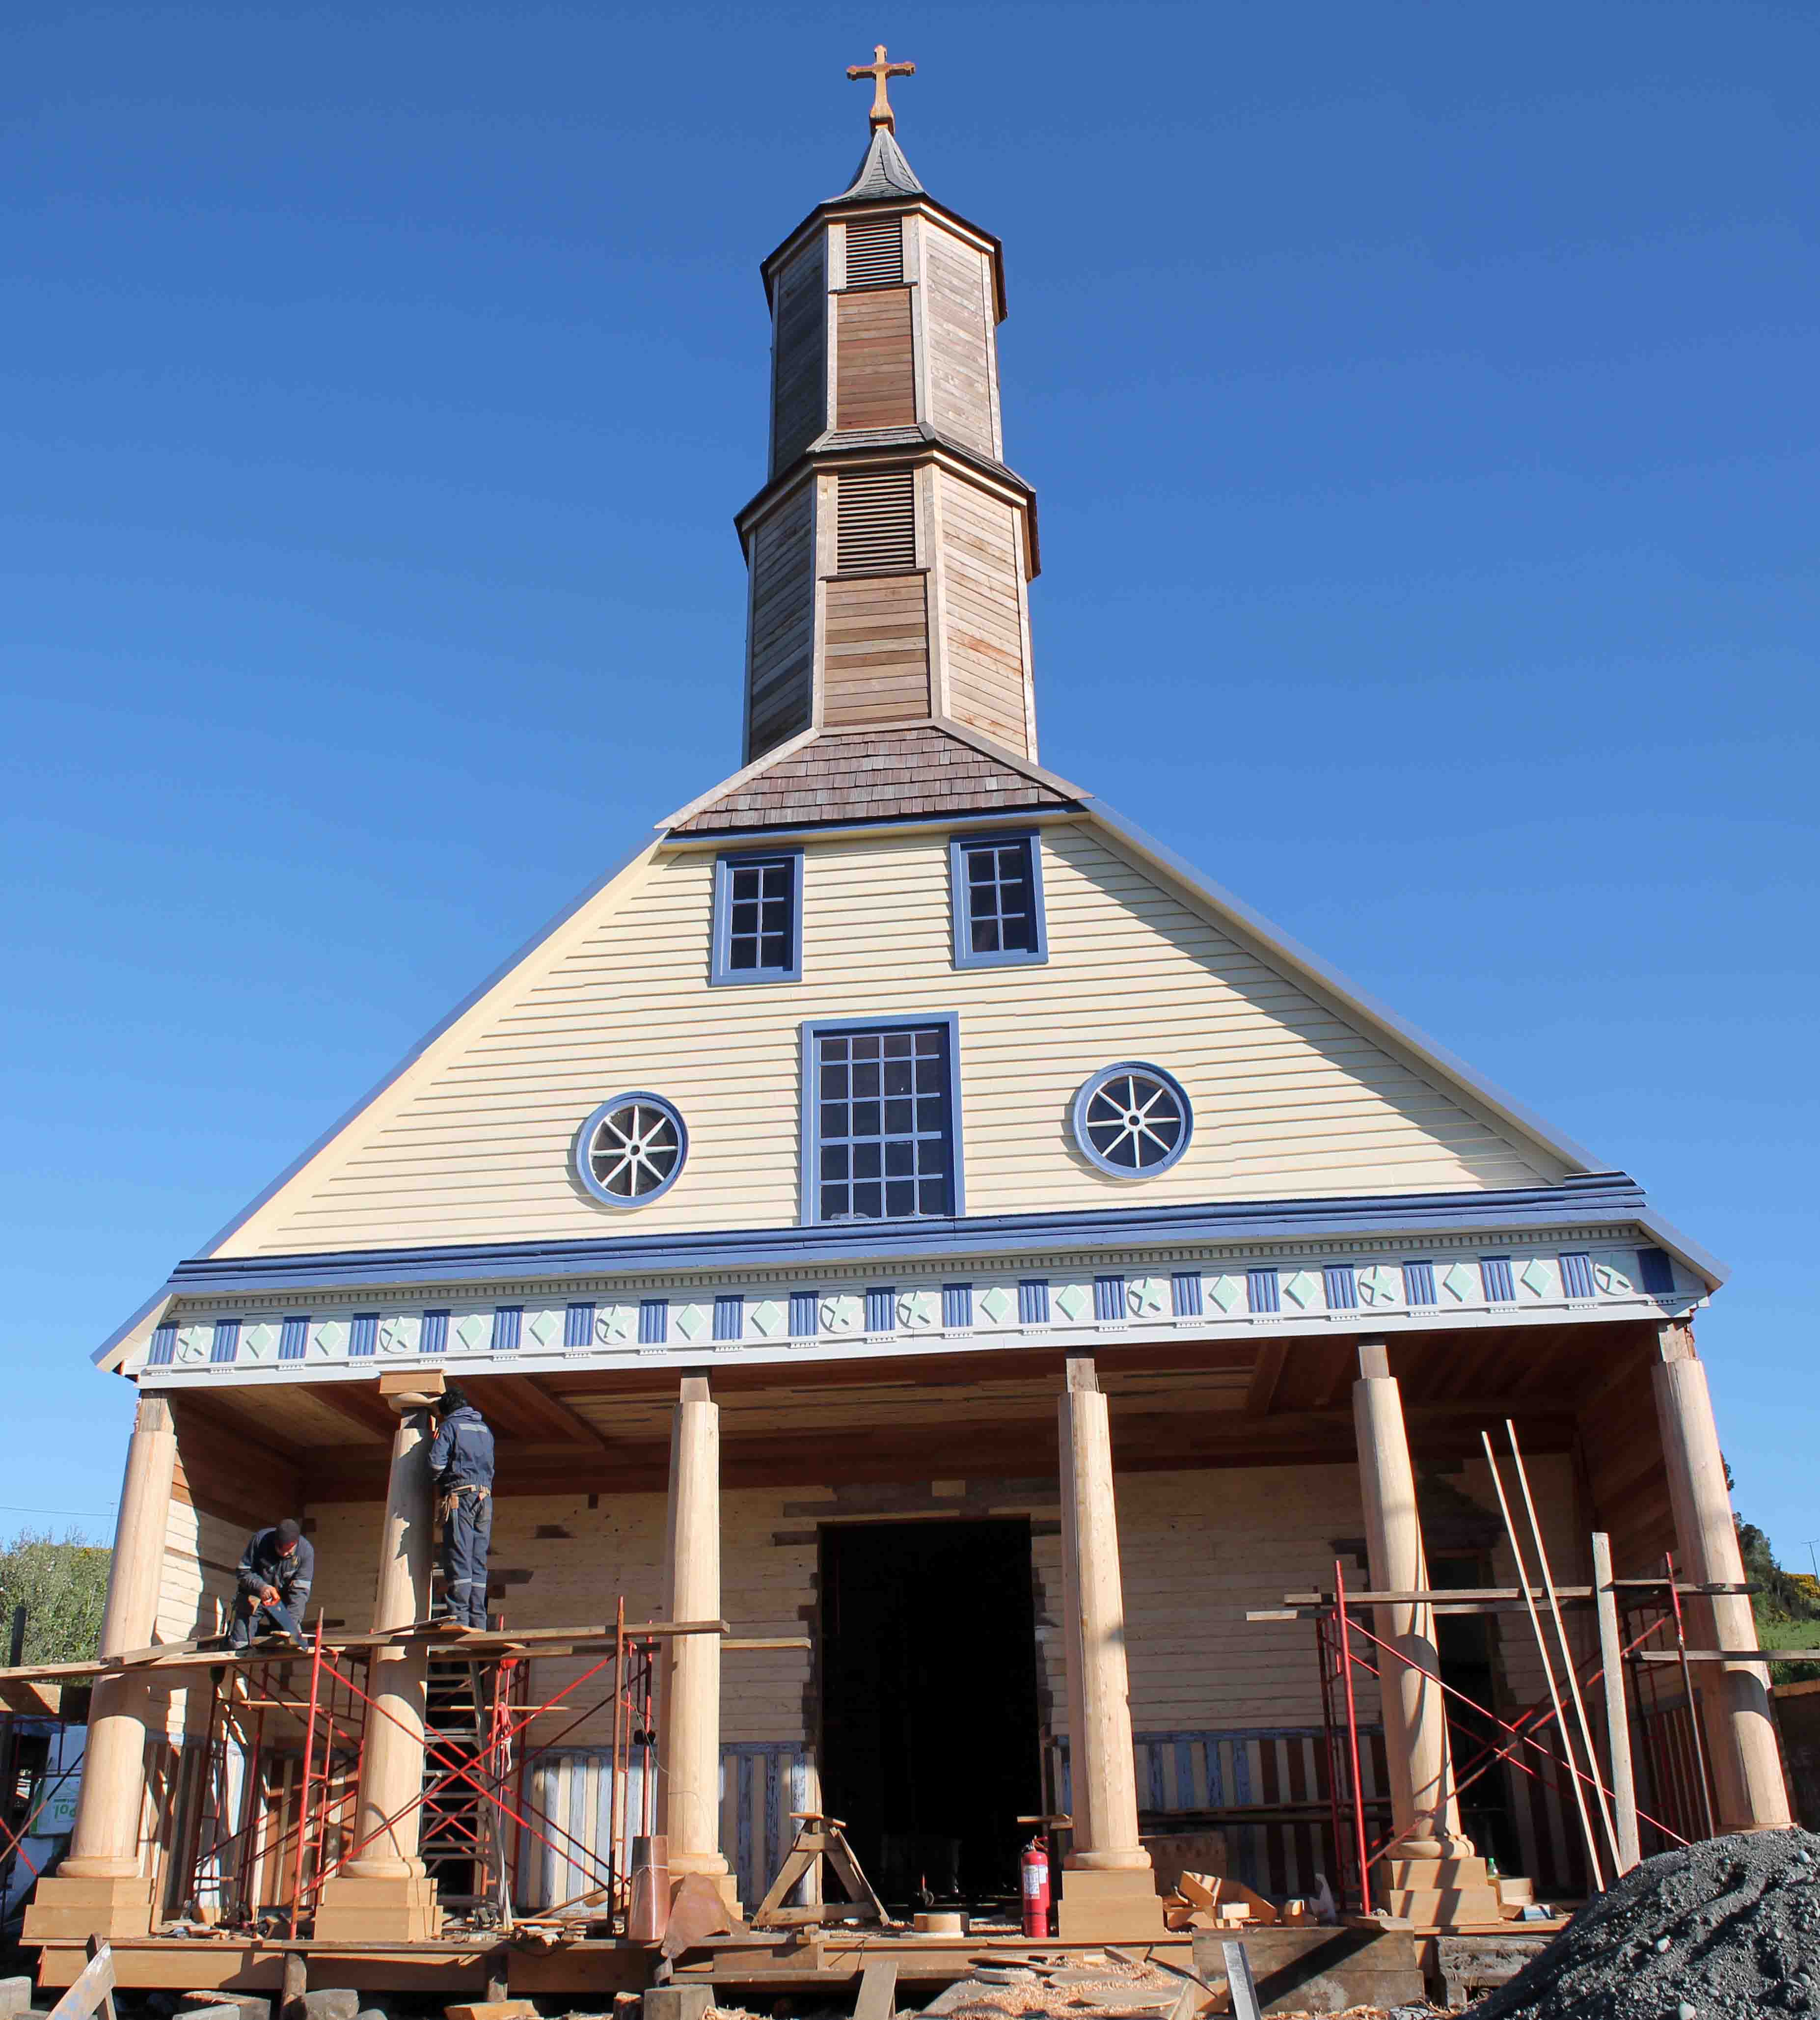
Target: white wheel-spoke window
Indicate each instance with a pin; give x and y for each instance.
(1132, 1120)
(630, 1148)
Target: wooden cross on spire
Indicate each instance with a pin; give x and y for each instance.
(878, 69)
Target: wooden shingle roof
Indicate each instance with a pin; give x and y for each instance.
(922, 770)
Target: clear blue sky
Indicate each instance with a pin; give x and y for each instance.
(1422, 401)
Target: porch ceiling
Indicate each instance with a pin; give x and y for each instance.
(1173, 1404)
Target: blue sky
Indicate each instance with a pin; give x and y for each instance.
(1420, 400)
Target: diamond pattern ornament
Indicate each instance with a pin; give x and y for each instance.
(998, 1304)
(1379, 1285)
(1301, 1288)
(918, 1309)
(193, 1342)
(616, 1325)
(1613, 1282)
(1072, 1302)
(1459, 1281)
(474, 1330)
(843, 1314)
(329, 1341)
(543, 1328)
(1225, 1292)
(1147, 1297)
(694, 1321)
(400, 1333)
(1538, 1278)
(259, 1342)
(768, 1318)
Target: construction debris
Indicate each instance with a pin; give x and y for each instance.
(1728, 1929)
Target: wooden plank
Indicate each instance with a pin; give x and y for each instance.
(93, 1990)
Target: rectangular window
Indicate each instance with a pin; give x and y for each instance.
(996, 894)
(880, 1140)
(758, 918)
(875, 516)
(875, 252)
(1418, 1283)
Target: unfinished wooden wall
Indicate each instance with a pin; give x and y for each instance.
(780, 651)
(958, 332)
(799, 354)
(979, 555)
(875, 384)
(876, 668)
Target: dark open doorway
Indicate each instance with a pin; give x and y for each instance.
(929, 1739)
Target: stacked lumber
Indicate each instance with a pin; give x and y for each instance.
(1211, 1901)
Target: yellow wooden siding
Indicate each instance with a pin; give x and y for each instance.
(876, 664)
(473, 1143)
(981, 559)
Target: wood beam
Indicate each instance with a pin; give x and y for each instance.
(1266, 1377)
(551, 1412)
(359, 1403)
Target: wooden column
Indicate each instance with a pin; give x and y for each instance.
(99, 1883)
(1428, 1872)
(383, 1894)
(1108, 1890)
(1735, 1698)
(689, 1797)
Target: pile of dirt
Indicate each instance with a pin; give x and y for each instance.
(1722, 1930)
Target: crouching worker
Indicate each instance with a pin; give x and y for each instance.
(274, 1578)
(461, 1461)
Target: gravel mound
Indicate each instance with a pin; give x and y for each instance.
(1722, 1930)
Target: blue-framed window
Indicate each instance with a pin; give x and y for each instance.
(1132, 1120)
(757, 918)
(996, 894)
(880, 1123)
(631, 1149)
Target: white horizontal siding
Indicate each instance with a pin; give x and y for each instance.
(473, 1145)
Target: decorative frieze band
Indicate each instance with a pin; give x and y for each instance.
(1499, 1287)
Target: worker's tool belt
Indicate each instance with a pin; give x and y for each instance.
(446, 1507)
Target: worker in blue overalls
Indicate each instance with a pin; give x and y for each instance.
(461, 1461)
(273, 1582)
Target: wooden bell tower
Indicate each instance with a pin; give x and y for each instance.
(891, 551)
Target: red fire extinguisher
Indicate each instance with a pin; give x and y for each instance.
(1034, 1868)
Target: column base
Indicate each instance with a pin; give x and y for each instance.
(1435, 1893)
(401, 1910)
(64, 1908)
(1112, 1906)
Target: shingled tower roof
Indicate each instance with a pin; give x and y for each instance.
(883, 172)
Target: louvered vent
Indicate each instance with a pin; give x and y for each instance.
(875, 252)
(878, 521)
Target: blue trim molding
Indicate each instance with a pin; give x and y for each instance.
(1600, 1197)
(721, 972)
(960, 898)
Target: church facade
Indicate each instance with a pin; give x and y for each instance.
(903, 1206)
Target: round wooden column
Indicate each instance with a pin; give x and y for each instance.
(1108, 1891)
(1422, 1805)
(104, 1844)
(689, 1807)
(382, 1895)
(1734, 1698)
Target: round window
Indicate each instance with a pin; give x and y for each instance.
(1132, 1120)
(630, 1149)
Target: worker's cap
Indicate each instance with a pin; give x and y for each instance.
(289, 1532)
